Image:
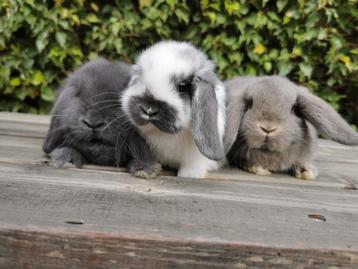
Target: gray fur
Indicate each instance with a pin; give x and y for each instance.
(204, 121)
(287, 109)
(88, 124)
(326, 120)
(205, 109)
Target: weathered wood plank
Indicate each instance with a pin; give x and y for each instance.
(51, 249)
(232, 219)
(337, 155)
(23, 125)
(23, 117)
(226, 211)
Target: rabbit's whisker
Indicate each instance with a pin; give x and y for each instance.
(105, 101)
(108, 106)
(104, 93)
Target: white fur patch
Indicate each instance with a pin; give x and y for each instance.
(136, 89)
(178, 151)
(220, 93)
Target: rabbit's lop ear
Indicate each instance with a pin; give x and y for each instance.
(205, 111)
(55, 136)
(325, 119)
(234, 113)
(57, 130)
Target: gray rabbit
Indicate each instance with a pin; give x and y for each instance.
(89, 126)
(271, 126)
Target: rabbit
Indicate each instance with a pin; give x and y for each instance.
(271, 126)
(89, 126)
(177, 103)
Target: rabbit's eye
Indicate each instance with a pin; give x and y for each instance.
(295, 110)
(185, 87)
(248, 103)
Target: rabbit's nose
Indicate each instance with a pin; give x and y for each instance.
(268, 129)
(149, 111)
(91, 125)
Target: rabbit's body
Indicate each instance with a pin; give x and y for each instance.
(271, 126)
(179, 150)
(88, 124)
(178, 104)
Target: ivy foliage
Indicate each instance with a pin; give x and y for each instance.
(312, 42)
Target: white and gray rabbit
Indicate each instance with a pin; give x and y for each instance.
(271, 126)
(178, 104)
(89, 126)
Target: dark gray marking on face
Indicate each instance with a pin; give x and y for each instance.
(146, 109)
(184, 85)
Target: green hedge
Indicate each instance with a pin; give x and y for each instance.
(310, 41)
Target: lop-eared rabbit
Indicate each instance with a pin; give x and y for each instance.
(88, 124)
(272, 123)
(177, 103)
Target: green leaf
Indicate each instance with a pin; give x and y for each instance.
(42, 41)
(251, 71)
(92, 18)
(231, 6)
(118, 45)
(281, 4)
(267, 66)
(21, 93)
(94, 7)
(182, 15)
(285, 68)
(61, 38)
(322, 34)
(306, 69)
(92, 55)
(211, 16)
(336, 42)
(331, 81)
(47, 93)
(75, 52)
(171, 3)
(236, 58)
(37, 78)
(15, 82)
(145, 3)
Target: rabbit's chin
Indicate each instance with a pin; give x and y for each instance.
(156, 124)
(158, 127)
(265, 144)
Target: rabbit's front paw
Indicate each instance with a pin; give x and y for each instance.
(60, 156)
(258, 170)
(145, 170)
(305, 173)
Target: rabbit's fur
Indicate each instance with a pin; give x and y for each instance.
(89, 126)
(271, 126)
(178, 104)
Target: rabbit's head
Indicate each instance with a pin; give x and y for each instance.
(270, 114)
(88, 107)
(174, 88)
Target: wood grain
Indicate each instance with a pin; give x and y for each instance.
(97, 250)
(232, 219)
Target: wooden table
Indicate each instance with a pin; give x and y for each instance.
(232, 219)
